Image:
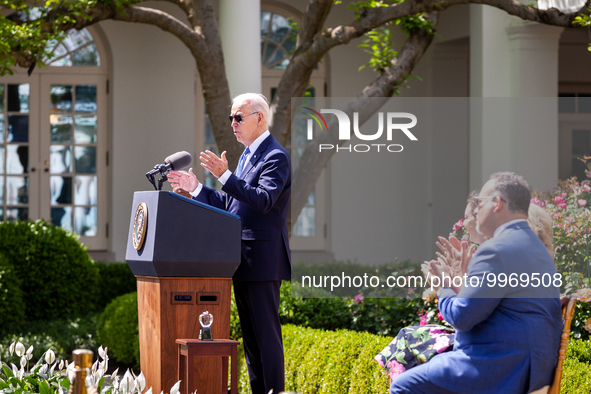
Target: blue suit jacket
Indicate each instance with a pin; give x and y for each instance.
(507, 342)
(261, 199)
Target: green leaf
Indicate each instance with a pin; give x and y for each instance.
(44, 388)
(7, 371)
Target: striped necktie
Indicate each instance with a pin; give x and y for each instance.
(241, 162)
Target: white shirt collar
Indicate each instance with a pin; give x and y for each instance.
(503, 226)
(256, 143)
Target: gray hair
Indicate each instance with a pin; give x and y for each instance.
(257, 102)
(515, 189)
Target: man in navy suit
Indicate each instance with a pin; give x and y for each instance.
(258, 191)
(507, 336)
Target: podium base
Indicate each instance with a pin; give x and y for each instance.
(169, 309)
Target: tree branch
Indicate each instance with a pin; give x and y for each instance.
(205, 44)
(314, 18)
(375, 17)
(313, 161)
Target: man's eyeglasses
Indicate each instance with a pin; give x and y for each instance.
(239, 117)
(480, 198)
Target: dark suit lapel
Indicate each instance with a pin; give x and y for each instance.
(254, 158)
(252, 161)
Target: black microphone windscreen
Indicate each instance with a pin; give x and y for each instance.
(179, 160)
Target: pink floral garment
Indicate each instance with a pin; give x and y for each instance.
(413, 346)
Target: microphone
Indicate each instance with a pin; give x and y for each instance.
(176, 161)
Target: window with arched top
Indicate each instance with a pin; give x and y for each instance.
(77, 49)
(53, 139)
(278, 39)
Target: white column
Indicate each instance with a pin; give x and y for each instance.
(514, 68)
(489, 77)
(534, 71)
(240, 29)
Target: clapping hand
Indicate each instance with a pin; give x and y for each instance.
(435, 271)
(216, 165)
(455, 254)
(184, 180)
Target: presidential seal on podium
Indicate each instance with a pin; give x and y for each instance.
(139, 225)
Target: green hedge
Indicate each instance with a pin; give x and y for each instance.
(576, 376)
(338, 362)
(326, 362)
(56, 273)
(12, 306)
(118, 329)
(115, 279)
(326, 313)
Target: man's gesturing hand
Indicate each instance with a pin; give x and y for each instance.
(184, 180)
(217, 166)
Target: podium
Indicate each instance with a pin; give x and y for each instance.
(183, 254)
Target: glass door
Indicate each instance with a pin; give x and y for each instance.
(73, 146)
(18, 148)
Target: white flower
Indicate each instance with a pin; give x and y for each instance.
(127, 382)
(100, 371)
(19, 349)
(61, 366)
(103, 353)
(103, 366)
(30, 351)
(114, 374)
(175, 388)
(71, 369)
(11, 348)
(24, 361)
(43, 369)
(49, 357)
(52, 369)
(94, 366)
(140, 382)
(20, 374)
(14, 369)
(149, 391)
(115, 382)
(584, 294)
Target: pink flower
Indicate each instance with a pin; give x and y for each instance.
(582, 202)
(423, 320)
(441, 343)
(411, 290)
(558, 199)
(537, 202)
(439, 316)
(586, 187)
(562, 205)
(395, 368)
(459, 224)
(359, 298)
(378, 358)
(436, 332)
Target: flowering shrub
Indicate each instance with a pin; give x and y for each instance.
(430, 314)
(50, 376)
(569, 206)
